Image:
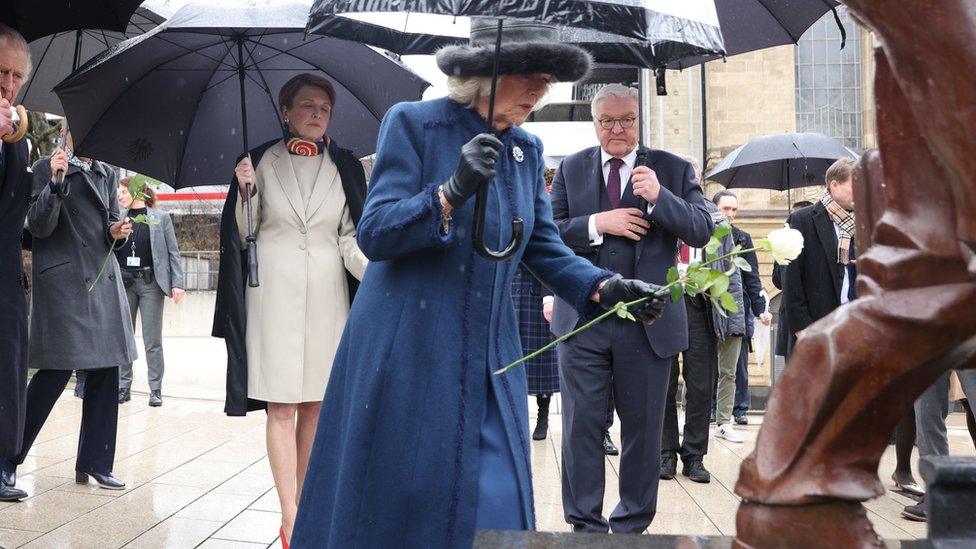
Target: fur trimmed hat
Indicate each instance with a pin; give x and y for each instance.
(528, 47)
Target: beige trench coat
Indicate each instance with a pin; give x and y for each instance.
(306, 241)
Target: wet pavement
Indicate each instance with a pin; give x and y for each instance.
(197, 478)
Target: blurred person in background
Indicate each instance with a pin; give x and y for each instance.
(151, 271)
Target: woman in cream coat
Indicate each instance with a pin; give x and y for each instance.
(306, 244)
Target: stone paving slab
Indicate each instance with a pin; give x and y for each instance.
(200, 479)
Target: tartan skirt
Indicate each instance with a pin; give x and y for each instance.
(542, 371)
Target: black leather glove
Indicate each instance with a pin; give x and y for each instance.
(619, 289)
(477, 166)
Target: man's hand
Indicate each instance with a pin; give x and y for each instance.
(6, 118)
(245, 177)
(547, 310)
(645, 184)
(766, 319)
(59, 163)
(627, 222)
(177, 294)
(120, 230)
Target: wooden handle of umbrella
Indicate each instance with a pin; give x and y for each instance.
(21, 127)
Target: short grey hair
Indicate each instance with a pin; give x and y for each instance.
(614, 91)
(467, 90)
(8, 34)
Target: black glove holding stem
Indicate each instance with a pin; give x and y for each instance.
(476, 167)
(618, 288)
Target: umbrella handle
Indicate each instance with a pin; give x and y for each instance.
(480, 210)
(481, 202)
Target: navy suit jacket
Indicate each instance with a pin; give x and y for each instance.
(679, 213)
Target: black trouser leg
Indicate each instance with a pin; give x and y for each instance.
(585, 386)
(669, 433)
(99, 421)
(640, 384)
(700, 371)
(741, 405)
(609, 422)
(904, 442)
(970, 419)
(43, 391)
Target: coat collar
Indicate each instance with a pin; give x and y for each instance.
(97, 169)
(828, 240)
(288, 180)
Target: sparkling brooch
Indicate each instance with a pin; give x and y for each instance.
(517, 154)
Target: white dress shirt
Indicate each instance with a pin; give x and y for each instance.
(845, 286)
(626, 168)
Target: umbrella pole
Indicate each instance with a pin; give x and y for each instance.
(252, 244)
(77, 59)
(481, 200)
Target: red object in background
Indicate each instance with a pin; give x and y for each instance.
(190, 196)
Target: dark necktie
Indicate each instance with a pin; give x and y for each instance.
(852, 274)
(613, 182)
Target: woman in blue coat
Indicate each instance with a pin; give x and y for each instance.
(419, 444)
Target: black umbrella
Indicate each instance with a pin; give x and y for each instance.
(690, 28)
(780, 162)
(57, 55)
(750, 25)
(37, 18)
(181, 102)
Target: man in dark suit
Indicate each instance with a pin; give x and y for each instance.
(15, 189)
(623, 208)
(822, 277)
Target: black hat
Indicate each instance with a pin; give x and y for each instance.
(528, 47)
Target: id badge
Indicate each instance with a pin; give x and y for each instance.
(133, 261)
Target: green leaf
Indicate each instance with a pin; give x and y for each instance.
(721, 230)
(713, 245)
(150, 220)
(735, 249)
(692, 290)
(741, 263)
(719, 286)
(728, 302)
(631, 316)
(672, 275)
(764, 244)
(717, 305)
(676, 292)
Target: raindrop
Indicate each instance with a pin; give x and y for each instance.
(233, 131)
(423, 303)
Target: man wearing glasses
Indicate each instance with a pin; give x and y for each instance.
(624, 208)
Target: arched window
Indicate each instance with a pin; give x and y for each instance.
(828, 81)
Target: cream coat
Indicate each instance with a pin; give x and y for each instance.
(306, 241)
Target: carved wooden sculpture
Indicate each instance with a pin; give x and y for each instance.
(856, 372)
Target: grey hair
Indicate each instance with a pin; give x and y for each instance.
(721, 194)
(467, 90)
(614, 91)
(8, 34)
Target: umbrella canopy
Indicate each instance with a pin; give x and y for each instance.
(55, 56)
(688, 28)
(169, 103)
(750, 25)
(610, 49)
(35, 19)
(780, 162)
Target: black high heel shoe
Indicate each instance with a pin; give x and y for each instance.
(104, 480)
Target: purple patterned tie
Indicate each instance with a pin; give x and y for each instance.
(613, 182)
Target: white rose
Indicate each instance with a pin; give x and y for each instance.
(785, 244)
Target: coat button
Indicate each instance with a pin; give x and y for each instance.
(74, 211)
(301, 246)
(302, 230)
(111, 276)
(87, 280)
(84, 244)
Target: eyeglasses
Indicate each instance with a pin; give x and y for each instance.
(625, 123)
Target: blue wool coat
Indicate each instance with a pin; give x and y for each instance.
(396, 455)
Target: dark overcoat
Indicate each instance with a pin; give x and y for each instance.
(811, 282)
(230, 320)
(15, 190)
(396, 455)
(755, 303)
(72, 328)
(541, 372)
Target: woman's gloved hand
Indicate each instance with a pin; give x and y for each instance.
(477, 166)
(618, 288)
